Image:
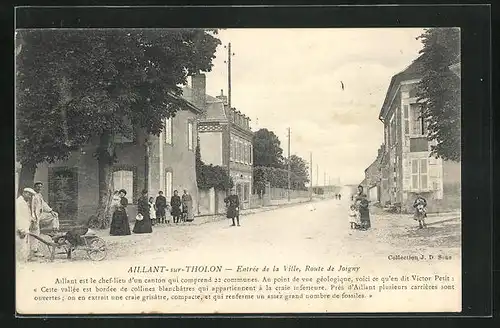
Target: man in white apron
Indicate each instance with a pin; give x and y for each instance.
(23, 222)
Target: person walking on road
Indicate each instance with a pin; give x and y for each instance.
(233, 207)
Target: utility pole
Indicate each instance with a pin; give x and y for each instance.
(229, 116)
(310, 175)
(289, 167)
(317, 175)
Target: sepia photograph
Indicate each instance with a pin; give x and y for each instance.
(252, 170)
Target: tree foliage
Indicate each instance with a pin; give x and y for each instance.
(267, 149)
(300, 175)
(73, 85)
(277, 178)
(439, 91)
(210, 176)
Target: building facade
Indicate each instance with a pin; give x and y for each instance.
(165, 162)
(220, 143)
(406, 166)
(373, 177)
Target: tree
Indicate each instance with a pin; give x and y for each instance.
(107, 76)
(299, 170)
(439, 91)
(266, 149)
(210, 176)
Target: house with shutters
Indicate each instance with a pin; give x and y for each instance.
(406, 165)
(165, 162)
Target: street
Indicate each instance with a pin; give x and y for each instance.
(313, 231)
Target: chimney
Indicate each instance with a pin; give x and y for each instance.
(199, 86)
(222, 97)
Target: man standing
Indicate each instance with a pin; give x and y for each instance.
(233, 207)
(23, 222)
(42, 215)
(161, 204)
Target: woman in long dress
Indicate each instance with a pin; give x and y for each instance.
(144, 225)
(364, 212)
(187, 206)
(119, 224)
(175, 204)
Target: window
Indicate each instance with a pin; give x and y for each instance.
(231, 152)
(419, 144)
(418, 123)
(392, 132)
(168, 131)
(233, 148)
(406, 119)
(251, 153)
(247, 154)
(238, 151)
(168, 185)
(419, 174)
(124, 179)
(190, 136)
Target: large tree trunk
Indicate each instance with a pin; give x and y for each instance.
(105, 158)
(26, 176)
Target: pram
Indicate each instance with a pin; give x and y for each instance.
(66, 242)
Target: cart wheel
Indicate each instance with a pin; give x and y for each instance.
(96, 249)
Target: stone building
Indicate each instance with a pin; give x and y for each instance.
(215, 142)
(373, 177)
(406, 165)
(165, 162)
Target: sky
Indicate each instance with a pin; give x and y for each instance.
(292, 78)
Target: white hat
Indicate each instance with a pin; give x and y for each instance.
(31, 191)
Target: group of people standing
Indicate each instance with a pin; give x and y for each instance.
(359, 213)
(149, 211)
(32, 214)
(338, 196)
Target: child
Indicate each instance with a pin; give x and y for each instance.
(354, 217)
(152, 210)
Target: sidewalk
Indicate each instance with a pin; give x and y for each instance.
(401, 230)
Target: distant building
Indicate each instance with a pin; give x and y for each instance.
(406, 165)
(373, 177)
(215, 142)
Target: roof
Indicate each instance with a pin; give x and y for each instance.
(214, 110)
(188, 98)
(413, 71)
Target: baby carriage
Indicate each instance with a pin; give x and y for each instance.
(76, 238)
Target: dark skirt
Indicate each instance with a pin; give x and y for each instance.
(232, 212)
(364, 217)
(143, 226)
(119, 224)
(160, 212)
(176, 211)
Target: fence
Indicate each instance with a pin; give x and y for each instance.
(211, 202)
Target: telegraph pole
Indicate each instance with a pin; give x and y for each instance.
(310, 175)
(229, 116)
(289, 175)
(317, 175)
